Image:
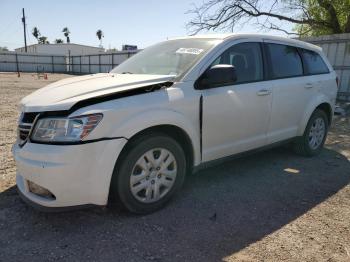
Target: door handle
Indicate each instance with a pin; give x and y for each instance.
(263, 92)
(308, 86)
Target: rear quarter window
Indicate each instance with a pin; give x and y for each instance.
(314, 63)
(285, 61)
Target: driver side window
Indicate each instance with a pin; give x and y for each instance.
(247, 60)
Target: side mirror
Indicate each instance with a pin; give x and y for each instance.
(216, 76)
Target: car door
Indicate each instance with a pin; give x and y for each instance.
(236, 117)
(292, 90)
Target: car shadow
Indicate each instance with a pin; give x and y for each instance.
(219, 211)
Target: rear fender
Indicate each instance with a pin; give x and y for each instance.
(319, 99)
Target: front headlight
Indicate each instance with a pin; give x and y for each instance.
(56, 129)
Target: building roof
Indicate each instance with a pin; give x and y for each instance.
(63, 44)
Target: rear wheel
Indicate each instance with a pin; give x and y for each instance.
(312, 141)
(149, 173)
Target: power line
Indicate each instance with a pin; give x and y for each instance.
(5, 33)
(11, 43)
(9, 25)
(11, 32)
(29, 37)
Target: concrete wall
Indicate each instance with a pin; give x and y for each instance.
(337, 49)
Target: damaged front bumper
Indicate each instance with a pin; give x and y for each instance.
(55, 176)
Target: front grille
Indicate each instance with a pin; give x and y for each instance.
(25, 125)
(23, 131)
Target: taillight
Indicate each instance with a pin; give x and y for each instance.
(337, 81)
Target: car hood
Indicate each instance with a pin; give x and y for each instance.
(63, 94)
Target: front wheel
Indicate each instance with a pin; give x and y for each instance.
(312, 141)
(149, 173)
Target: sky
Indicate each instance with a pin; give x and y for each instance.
(138, 22)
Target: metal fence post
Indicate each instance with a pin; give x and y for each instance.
(17, 66)
(99, 63)
(80, 64)
(69, 63)
(112, 60)
(53, 65)
(89, 65)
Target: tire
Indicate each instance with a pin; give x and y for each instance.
(304, 145)
(130, 173)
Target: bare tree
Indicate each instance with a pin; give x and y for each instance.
(308, 15)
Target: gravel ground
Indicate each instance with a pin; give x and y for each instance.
(271, 206)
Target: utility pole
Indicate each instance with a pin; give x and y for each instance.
(24, 30)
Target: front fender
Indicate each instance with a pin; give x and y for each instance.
(136, 123)
(313, 104)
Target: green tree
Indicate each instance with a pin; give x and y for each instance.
(36, 33)
(99, 35)
(66, 33)
(59, 41)
(112, 49)
(335, 13)
(310, 17)
(43, 40)
(3, 49)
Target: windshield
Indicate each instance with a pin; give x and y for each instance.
(173, 57)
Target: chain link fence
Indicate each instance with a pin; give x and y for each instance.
(44, 63)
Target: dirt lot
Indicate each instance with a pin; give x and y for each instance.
(249, 209)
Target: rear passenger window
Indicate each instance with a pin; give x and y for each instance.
(314, 63)
(285, 61)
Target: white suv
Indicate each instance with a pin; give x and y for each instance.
(135, 133)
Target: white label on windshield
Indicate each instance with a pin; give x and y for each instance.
(193, 51)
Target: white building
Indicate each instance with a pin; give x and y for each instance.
(61, 49)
